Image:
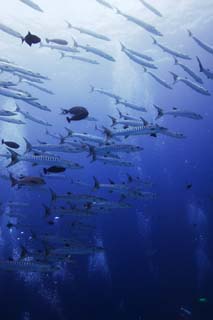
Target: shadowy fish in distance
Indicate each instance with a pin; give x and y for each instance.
(32, 5)
(10, 31)
(10, 144)
(61, 42)
(202, 44)
(151, 8)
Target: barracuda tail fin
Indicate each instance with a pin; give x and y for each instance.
(29, 147)
(17, 108)
(175, 77)
(122, 46)
(175, 61)
(154, 40)
(75, 43)
(107, 132)
(14, 158)
(68, 24)
(53, 195)
(62, 55)
(24, 253)
(200, 64)
(114, 121)
(96, 183)
(189, 32)
(92, 88)
(47, 40)
(160, 112)
(13, 180)
(69, 132)
(91, 149)
(47, 210)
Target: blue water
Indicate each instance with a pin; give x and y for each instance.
(158, 254)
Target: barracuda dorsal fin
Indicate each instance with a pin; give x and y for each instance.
(14, 158)
(47, 210)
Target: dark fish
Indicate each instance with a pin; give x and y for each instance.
(189, 186)
(26, 181)
(10, 144)
(78, 113)
(54, 169)
(31, 39)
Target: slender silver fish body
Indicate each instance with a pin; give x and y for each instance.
(135, 53)
(126, 123)
(7, 113)
(177, 113)
(159, 80)
(148, 27)
(116, 148)
(176, 135)
(140, 61)
(202, 44)
(88, 32)
(85, 136)
(10, 67)
(171, 51)
(38, 87)
(189, 83)
(131, 105)
(10, 31)
(95, 51)
(126, 116)
(27, 115)
(22, 77)
(11, 120)
(208, 73)
(110, 186)
(189, 71)
(26, 266)
(151, 8)
(105, 4)
(7, 84)
(42, 160)
(60, 42)
(113, 161)
(38, 105)
(76, 197)
(136, 131)
(11, 93)
(32, 5)
(82, 59)
(76, 250)
(59, 47)
(106, 93)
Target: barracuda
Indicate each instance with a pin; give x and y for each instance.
(208, 73)
(193, 85)
(107, 149)
(85, 136)
(152, 130)
(202, 44)
(26, 266)
(188, 70)
(42, 160)
(159, 80)
(171, 51)
(175, 112)
(27, 115)
(135, 53)
(94, 50)
(75, 197)
(148, 27)
(126, 123)
(140, 61)
(88, 32)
